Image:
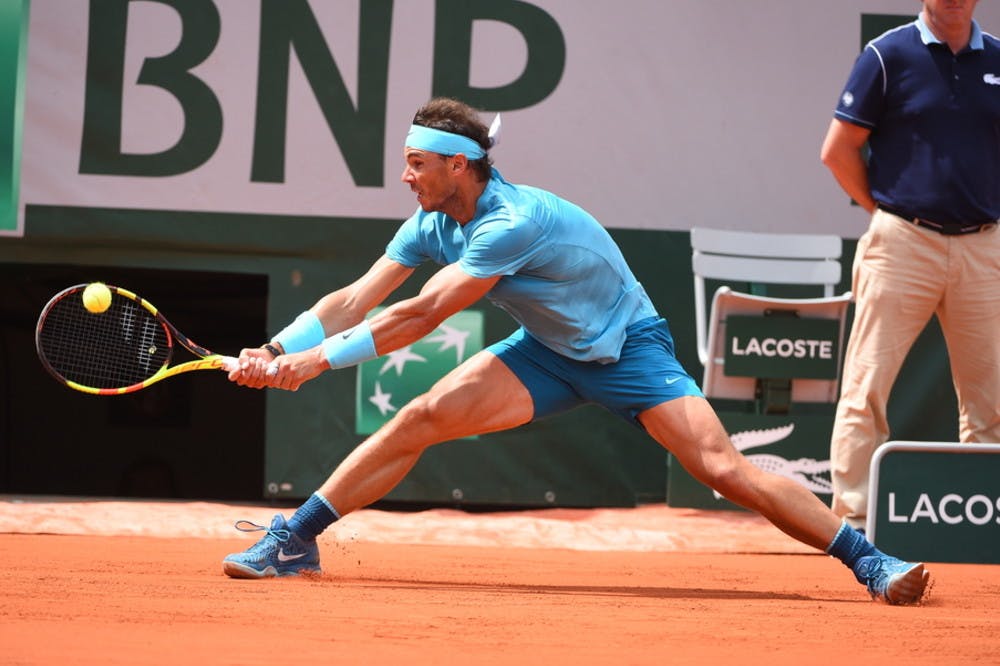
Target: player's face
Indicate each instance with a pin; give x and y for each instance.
(429, 176)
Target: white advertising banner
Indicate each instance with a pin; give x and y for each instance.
(652, 114)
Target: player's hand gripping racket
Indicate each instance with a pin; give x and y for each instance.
(121, 349)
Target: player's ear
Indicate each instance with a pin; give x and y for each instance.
(459, 163)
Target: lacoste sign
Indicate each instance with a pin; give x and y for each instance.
(796, 447)
(949, 508)
(781, 347)
(936, 501)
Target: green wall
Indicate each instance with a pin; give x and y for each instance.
(583, 458)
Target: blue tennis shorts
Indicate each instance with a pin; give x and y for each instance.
(646, 374)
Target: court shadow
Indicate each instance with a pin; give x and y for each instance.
(649, 592)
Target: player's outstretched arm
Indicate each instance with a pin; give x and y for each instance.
(448, 291)
(401, 324)
(334, 312)
(347, 307)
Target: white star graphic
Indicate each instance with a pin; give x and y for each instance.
(381, 400)
(451, 337)
(398, 359)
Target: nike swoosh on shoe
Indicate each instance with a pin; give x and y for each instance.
(282, 557)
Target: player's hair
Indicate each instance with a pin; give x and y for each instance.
(451, 115)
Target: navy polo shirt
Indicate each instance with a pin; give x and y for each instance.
(935, 123)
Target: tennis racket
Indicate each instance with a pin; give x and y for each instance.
(123, 349)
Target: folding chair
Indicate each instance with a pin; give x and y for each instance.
(760, 260)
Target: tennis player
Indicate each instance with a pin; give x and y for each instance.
(588, 334)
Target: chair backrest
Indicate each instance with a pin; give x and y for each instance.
(727, 303)
(761, 258)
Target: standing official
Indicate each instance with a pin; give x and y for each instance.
(925, 97)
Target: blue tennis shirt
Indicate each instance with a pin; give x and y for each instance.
(564, 281)
(934, 118)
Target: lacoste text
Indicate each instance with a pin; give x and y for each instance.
(784, 348)
(951, 508)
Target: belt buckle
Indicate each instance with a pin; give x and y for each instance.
(974, 228)
(933, 226)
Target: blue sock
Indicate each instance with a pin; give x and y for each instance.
(310, 519)
(850, 545)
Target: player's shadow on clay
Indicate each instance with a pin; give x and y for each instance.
(650, 592)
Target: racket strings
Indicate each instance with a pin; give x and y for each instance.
(122, 346)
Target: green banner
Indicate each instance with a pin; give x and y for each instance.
(387, 383)
(781, 347)
(13, 43)
(794, 446)
(936, 501)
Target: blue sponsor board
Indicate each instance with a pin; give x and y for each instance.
(936, 501)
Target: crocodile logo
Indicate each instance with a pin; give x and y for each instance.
(811, 473)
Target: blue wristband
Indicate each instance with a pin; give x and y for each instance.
(351, 347)
(304, 333)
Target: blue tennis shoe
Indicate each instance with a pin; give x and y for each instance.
(891, 580)
(279, 552)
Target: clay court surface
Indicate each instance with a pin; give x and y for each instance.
(119, 582)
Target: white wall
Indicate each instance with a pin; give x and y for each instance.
(670, 113)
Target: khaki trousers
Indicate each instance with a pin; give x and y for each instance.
(902, 275)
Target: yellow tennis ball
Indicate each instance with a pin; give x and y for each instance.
(96, 297)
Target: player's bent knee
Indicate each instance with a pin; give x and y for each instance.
(729, 480)
(430, 414)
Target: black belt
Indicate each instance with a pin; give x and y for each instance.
(945, 229)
